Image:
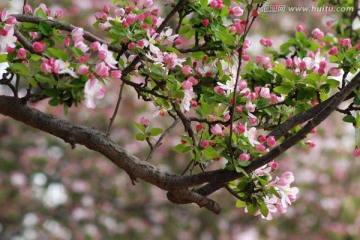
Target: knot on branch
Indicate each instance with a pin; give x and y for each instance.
(186, 197)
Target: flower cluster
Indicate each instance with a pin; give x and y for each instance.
(7, 38)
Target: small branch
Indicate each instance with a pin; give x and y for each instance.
(112, 119)
(158, 143)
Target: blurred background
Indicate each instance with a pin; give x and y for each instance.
(49, 191)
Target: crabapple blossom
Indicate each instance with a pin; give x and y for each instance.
(93, 90)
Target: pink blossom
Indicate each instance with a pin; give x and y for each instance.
(317, 33)
(95, 46)
(333, 51)
(38, 47)
(144, 121)
(271, 141)
(93, 90)
(185, 103)
(45, 67)
(310, 143)
(82, 46)
(82, 69)
(28, 9)
(217, 130)
(219, 90)
(77, 34)
(244, 157)
(205, 22)
(204, 143)
(102, 70)
(21, 53)
(356, 152)
(186, 70)
(186, 85)
(300, 28)
(237, 11)
(116, 74)
(59, 13)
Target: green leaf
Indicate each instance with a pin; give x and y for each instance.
(45, 28)
(3, 58)
(20, 69)
(264, 209)
(45, 79)
(51, 92)
(40, 13)
(210, 153)
(54, 102)
(349, 119)
(306, 93)
(203, 3)
(240, 204)
(198, 55)
(140, 126)
(140, 137)
(57, 53)
(283, 89)
(156, 131)
(181, 148)
(286, 73)
(77, 52)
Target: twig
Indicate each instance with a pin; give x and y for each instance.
(112, 119)
(158, 143)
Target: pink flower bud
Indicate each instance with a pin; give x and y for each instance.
(262, 138)
(246, 57)
(356, 152)
(187, 85)
(198, 127)
(144, 121)
(177, 41)
(59, 13)
(193, 80)
(116, 74)
(204, 144)
(252, 120)
(95, 46)
(260, 147)
(271, 141)
(102, 55)
(67, 42)
(102, 70)
(244, 157)
(120, 12)
(310, 143)
(45, 68)
(274, 165)
(358, 46)
(240, 128)
(237, 11)
(21, 54)
(155, 12)
(186, 70)
(217, 130)
(255, 13)
(300, 28)
(333, 51)
(205, 22)
(106, 9)
(82, 69)
(38, 47)
(28, 9)
(219, 90)
(239, 109)
(317, 33)
(132, 45)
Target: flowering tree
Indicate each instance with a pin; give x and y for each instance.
(193, 66)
